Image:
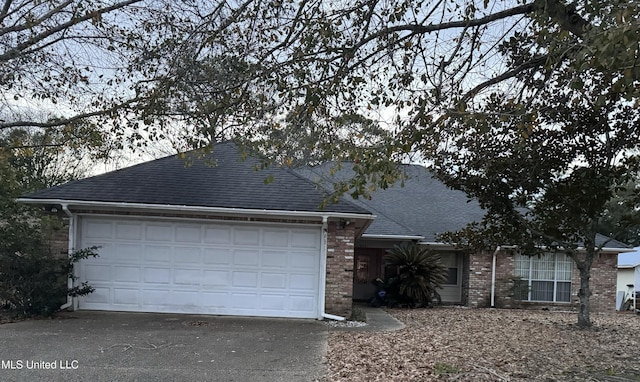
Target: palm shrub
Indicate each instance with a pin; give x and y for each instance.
(420, 274)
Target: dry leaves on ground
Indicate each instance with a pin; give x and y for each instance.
(458, 344)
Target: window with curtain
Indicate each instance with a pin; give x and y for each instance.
(544, 278)
(450, 260)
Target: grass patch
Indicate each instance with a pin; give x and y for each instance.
(446, 369)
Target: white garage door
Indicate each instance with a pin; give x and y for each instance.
(209, 268)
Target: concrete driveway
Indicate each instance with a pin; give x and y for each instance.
(101, 346)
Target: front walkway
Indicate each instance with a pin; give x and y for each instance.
(378, 320)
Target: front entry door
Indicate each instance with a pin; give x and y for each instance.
(367, 268)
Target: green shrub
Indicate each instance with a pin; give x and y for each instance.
(35, 283)
(419, 275)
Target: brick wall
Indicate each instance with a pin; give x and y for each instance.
(339, 289)
(479, 292)
(603, 284)
(604, 273)
(56, 236)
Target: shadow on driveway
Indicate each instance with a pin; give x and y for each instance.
(107, 346)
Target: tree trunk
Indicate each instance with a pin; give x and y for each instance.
(584, 320)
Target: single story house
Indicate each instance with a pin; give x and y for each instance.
(216, 235)
(628, 274)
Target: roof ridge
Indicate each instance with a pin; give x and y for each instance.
(327, 191)
(369, 207)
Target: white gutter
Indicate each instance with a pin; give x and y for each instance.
(396, 237)
(603, 249)
(323, 273)
(183, 208)
(436, 244)
(70, 249)
(628, 266)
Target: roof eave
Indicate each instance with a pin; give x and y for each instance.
(391, 237)
(196, 209)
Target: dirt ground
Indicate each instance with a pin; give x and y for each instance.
(460, 344)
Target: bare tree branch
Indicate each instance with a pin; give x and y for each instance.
(14, 52)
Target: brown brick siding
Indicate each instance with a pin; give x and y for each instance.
(604, 273)
(479, 293)
(56, 236)
(339, 289)
(603, 283)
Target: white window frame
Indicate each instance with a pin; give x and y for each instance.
(529, 277)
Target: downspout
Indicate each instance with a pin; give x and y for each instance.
(493, 277)
(493, 271)
(71, 244)
(323, 272)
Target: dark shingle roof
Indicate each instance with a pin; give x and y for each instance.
(423, 206)
(229, 183)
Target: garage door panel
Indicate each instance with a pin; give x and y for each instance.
(273, 280)
(218, 256)
(159, 232)
(157, 275)
(126, 296)
(188, 255)
(305, 239)
(213, 278)
(244, 279)
(217, 235)
(205, 268)
(98, 230)
(274, 302)
(126, 274)
(215, 300)
(301, 303)
(246, 236)
(97, 272)
(187, 276)
(156, 297)
(302, 282)
(275, 259)
(188, 234)
(244, 301)
(128, 231)
(275, 238)
(303, 260)
(157, 253)
(185, 298)
(100, 295)
(246, 257)
(126, 252)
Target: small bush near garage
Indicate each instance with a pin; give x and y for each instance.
(34, 283)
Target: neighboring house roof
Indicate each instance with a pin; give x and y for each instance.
(422, 207)
(609, 242)
(220, 179)
(629, 259)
